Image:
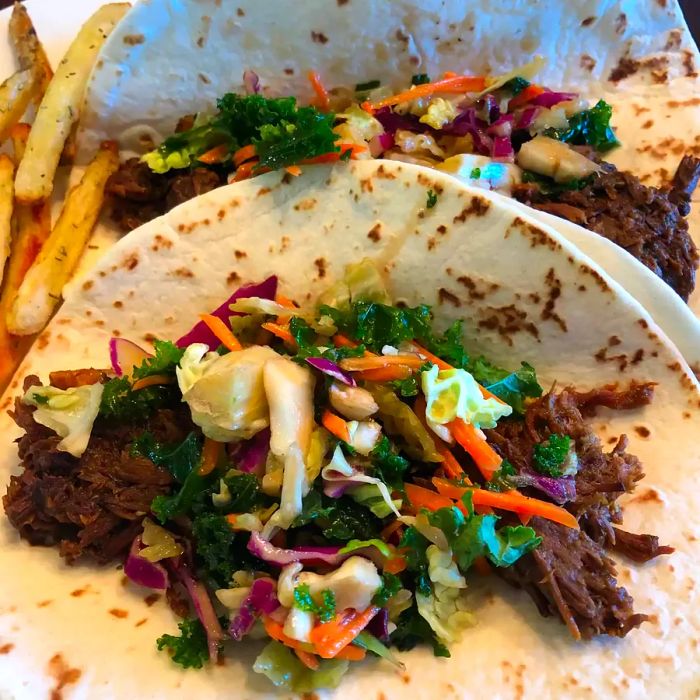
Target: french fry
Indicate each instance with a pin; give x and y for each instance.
(29, 50)
(31, 227)
(60, 108)
(7, 173)
(42, 286)
(15, 95)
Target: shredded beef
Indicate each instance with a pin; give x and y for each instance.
(139, 194)
(570, 573)
(647, 222)
(90, 506)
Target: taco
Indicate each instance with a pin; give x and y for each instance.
(482, 95)
(388, 398)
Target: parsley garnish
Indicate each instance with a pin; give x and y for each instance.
(475, 174)
(40, 399)
(432, 199)
(166, 358)
(548, 456)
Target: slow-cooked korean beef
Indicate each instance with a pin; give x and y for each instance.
(570, 573)
(92, 506)
(648, 222)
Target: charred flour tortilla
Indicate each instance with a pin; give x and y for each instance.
(642, 62)
(543, 302)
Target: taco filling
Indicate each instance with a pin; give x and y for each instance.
(507, 134)
(332, 475)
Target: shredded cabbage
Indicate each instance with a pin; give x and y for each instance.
(527, 71)
(442, 568)
(226, 395)
(232, 598)
(160, 544)
(454, 393)
(284, 669)
(364, 435)
(446, 612)
(258, 305)
(69, 412)
(299, 624)
(440, 112)
(339, 469)
(376, 497)
(361, 281)
(359, 126)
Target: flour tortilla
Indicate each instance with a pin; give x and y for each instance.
(306, 229)
(166, 59)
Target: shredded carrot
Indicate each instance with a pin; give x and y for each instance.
(329, 638)
(342, 341)
(282, 332)
(276, 632)
(385, 374)
(221, 331)
(450, 465)
(353, 148)
(395, 565)
(153, 380)
(243, 154)
(245, 170)
(360, 364)
(529, 93)
(335, 425)
(351, 653)
(288, 304)
(449, 74)
(485, 457)
(293, 170)
(309, 660)
(456, 84)
(214, 155)
(322, 101)
(231, 519)
(421, 497)
(510, 500)
(211, 451)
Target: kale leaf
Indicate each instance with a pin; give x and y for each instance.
(189, 649)
(166, 358)
(304, 601)
(417, 559)
(245, 492)
(500, 480)
(338, 518)
(549, 456)
(590, 127)
(548, 186)
(391, 585)
(389, 466)
(412, 629)
(305, 338)
(511, 387)
(220, 550)
(516, 85)
(120, 404)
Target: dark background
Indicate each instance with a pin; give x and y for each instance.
(691, 8)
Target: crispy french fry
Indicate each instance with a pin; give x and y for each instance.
(60, 108)
(30, 51)
(42, 286)
(7, 173)
(15, 95)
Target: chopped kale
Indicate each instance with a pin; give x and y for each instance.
(516, 85)
(412, 629)
(511, 387)
(475, 174)
(339, 519)
(220, 550)
(120, 404)
(500, 480)
(590, 127)
(549, 456)
(305, 338)
(420, 79)
(189, 649)
(406, 387)
(166, 358)
(416, 559)
(391, 585)
(245, 492)
(548, 186)
(389, 466)
(282, 133)
(432, 199)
